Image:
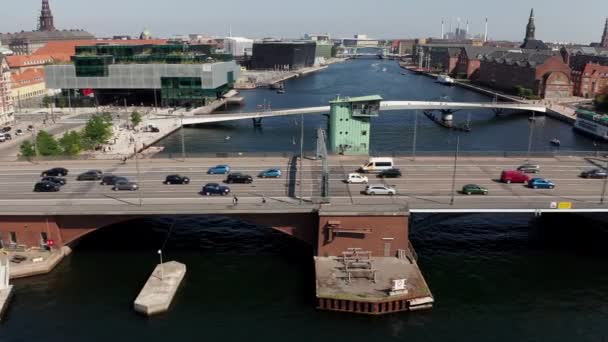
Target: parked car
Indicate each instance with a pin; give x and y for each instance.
(46, 187)
(238, 177)
(270, 173)
(111, 179)
(529, 168)
(56, 180)
(215, 189)
(219, 170)
(6, 136)
(91, 175)
(594, 173)
(56, 172)
(2, 137)
(540, 183)
(19, 132)
(176, 179)
(512, 176)
(380, 190)
(355, 178)
(123, 184)
(390, 173)
(474, 189)
(6, 129)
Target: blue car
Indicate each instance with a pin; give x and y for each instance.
(219, 170)
(540, 183)
(270, 173)
(215, 189)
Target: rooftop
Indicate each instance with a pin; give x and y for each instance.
(357, 99)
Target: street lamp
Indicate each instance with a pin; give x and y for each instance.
(301, 155)
(415, 135)
(160, 253)
(182, 136)
(604, 187)
(531, 134)
(139, 180)
(455, 167)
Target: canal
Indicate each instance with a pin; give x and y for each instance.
(495, 277)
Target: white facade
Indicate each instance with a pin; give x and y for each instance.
(6, 104)
(238, 46)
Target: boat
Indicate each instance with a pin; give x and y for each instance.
(445, 79)
(281, 91)
(592, 124)
(555, 142)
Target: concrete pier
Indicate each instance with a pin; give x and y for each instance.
(159, 290)
(6, 290)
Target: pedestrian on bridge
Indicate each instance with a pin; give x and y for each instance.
(235, 200)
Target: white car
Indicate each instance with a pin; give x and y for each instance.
(355, 178)
(380, 190)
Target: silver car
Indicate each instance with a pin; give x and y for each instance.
(529, 168)
(380, 190)
(125, 185)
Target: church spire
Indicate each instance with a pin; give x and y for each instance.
(604, 41)
(45, 22)
(531, 28)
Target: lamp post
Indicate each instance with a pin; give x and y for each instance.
(415, 135)
(531, 135)
(160, 254)
(139, 180)
(455, 167)
(181, 119)
(604, 186)
(301, 155)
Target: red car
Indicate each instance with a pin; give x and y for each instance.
(512, 176)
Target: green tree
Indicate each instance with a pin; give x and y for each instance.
(27, 149)
(47, 144)
(107, 116)
(97, 131)
(47, 101)
(136, 118)
(71, 143)
(601, 101)
(62, 102)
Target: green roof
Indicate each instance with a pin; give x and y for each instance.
(357, 99)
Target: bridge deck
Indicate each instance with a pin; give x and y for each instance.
(426, 186)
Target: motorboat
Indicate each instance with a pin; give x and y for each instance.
(445, 79)
(555, 142)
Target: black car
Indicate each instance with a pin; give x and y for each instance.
(595, 173)
(176, 179)
(239, 178)
(390, 173)
(92, 175)
(215, 189)
(56, 180)
(46, 187)
(112, 179)
(55, 172)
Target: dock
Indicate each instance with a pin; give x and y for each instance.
(6, 289)
(158, 292)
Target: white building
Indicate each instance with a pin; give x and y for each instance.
(238, 46)
(360, 40)
(6, 103)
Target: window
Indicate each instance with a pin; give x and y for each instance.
(13, 238)
(364, 133)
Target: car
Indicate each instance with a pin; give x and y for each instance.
(529, 168)
(540, 183)
(6, 136)
(123, 184)
(56, 172)
(91, 175)
(355, 178)
(390, 173)
(373, 190)
(2, 137)
(6, 129)
(594, 173)
(46, 187)
(377, 164)
(270, 173)
(111, 179)
(176, 179)
(219, 170)
(215, 189)
(238, 177)
(19, 132)
(513, 176)
(56, 180)
(474, 189)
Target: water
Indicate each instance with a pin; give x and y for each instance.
(494, 277)
(391, 132)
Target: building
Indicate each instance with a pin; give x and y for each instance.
(28, 87)
(469, 60)
(6, 100)
(167, 75)
(541, 71)
(604, 41)
(22, 63)
(62, 51)
(530, 42)
(238, 46)
(405, 47)
(283, 55)
(439, 57)
(360, 41)
(589, 67)
(350, 124)
(27, 42)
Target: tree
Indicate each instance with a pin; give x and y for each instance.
(136, 118)
(47, 144)
(601, 101)
(27, 149)
(107, 116)
(71, 143)
(97, 131)
(47, 101)
(62, 102)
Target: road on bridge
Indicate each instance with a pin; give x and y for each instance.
(426, 185)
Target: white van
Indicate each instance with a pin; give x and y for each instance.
(378, 165)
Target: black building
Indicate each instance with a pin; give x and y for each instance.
(283, 55)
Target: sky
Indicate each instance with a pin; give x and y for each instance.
(579, 21)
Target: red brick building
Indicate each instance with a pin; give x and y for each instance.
(589, 67)
(544, 72)
(469, 61)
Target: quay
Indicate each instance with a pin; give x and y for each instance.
(6, 289)
(158, 292)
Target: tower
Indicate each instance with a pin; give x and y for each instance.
(530, 29)
(604, 42)
(45, 22)
(350, 124)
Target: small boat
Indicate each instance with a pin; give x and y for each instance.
(555, 142)
(281, 91)
(445, 79)
(532, 118)
(384, 69)
(228, 138)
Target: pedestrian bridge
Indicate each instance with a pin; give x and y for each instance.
(384, 106)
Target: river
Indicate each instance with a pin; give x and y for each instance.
(508, 277)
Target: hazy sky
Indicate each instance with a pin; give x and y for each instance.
(556, 20)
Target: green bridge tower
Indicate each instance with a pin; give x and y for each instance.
(350, 124)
